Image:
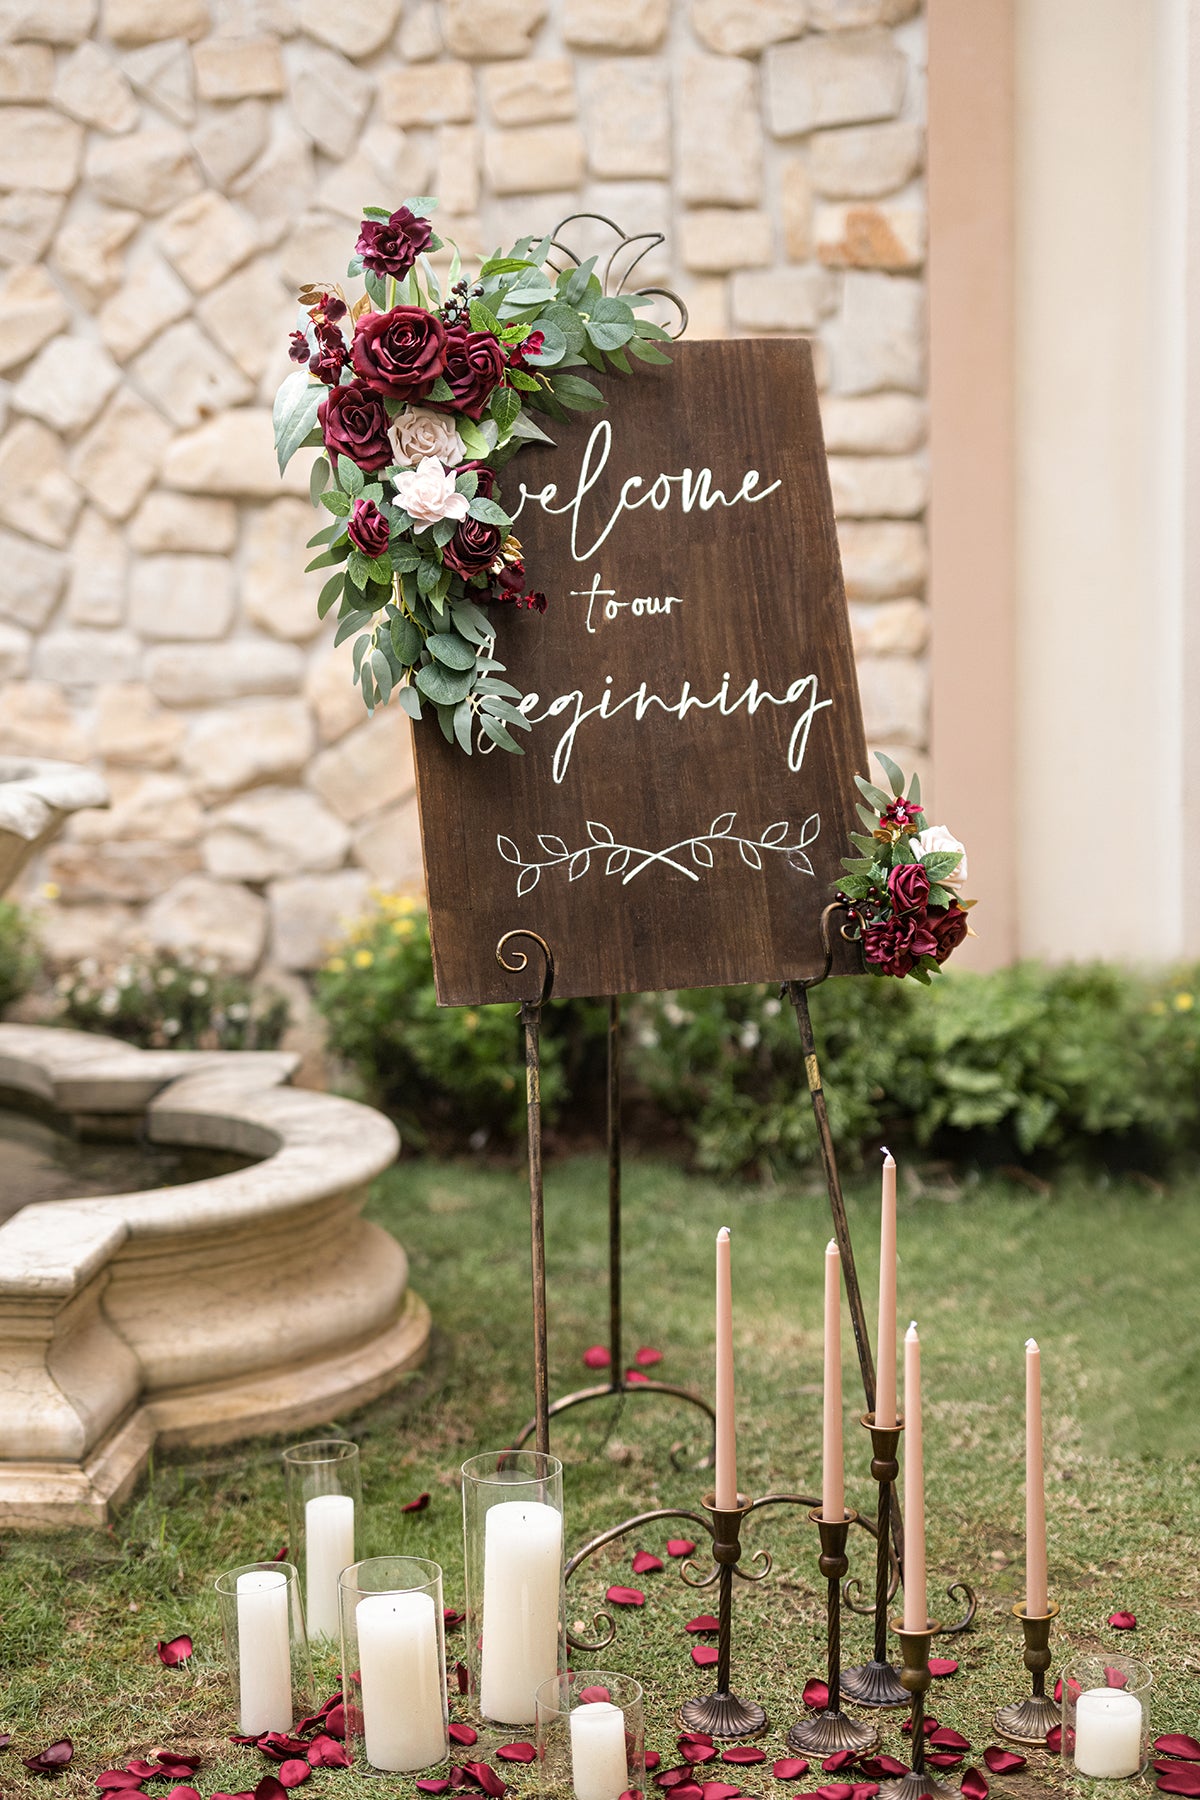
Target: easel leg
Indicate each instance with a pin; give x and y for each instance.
(616, 1363)
(531, 1019)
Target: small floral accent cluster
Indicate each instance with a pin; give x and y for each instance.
(901, 891)
(418, 394)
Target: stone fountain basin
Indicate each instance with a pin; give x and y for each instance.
(254, 1301)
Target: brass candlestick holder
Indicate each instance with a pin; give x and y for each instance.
(876, 1683)
(724, 1714)
(915, 1679)
(831, 1730)
(1028, 1721)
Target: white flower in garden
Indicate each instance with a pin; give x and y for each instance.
(749, 1035)
(937, 838)
(418, 432)
(427, 494)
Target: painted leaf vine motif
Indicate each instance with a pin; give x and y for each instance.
(687, 857)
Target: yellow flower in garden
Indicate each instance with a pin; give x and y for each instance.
(363, 959)
(405, 905)
(50, 890)
(1184, 1002)
(402, 927)
(470, 1021)
(336, 965)
(1157, 1008)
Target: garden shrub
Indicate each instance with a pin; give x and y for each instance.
(163, 1003)
(19, 959)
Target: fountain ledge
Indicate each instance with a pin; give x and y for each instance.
(255, 1301)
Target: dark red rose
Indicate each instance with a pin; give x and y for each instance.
(392, 246)
(949, 926)
(401, 352)
(896, 946)
(486, 478)
(332, 354)
(474, 366)
(354, 423)
(909, 887)
(298, 347)
(367, 529)
(473, 548)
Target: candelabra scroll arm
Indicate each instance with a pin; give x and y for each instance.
(961, 1590)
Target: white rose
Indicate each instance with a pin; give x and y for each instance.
(427, 493)
(937, 838)
(417, 432)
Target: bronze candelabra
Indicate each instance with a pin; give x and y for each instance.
(831, 1730)
(915, 1679)
(1028, 1721)
(876, 1683)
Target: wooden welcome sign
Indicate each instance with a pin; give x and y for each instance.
(680, 814)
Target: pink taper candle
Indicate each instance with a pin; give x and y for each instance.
(833, 1490)
(916, 1600)
(1036, 1589)
(725, 1485)
(885, 1343)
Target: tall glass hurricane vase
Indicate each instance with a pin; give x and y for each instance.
(513, 1548)
(324, 1497)
(266, 1648)
(394, 1663)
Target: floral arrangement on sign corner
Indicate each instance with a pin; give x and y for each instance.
(419, 394)
(901, 889)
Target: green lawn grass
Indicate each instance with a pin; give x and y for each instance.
(1106, 1276)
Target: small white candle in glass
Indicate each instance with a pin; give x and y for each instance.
(1108, 1733)
(328, 1549)
(403, 1697)
(599, 1768)
(264, 1652)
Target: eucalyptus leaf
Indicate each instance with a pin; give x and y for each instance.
(407, 641)
(575, 289)
(318, 475)
(329, 593)
(499, 735)
(295, 413)
(451, 650)
(575, 392)
(445, 687)
(409, 699)
(462, 725)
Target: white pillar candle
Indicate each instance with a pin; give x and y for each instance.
(916, 1598)
(328, 1549)
(1108, 1733)
(264, 1652)
(725, 1487)
(522, 1588)
(833, 1480)
(599, 1768)
(403, 1681)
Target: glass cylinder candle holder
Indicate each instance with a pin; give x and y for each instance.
(394, 1663)
(266, 1648)
(516, 1604)
(324, 1499)
(1106, 1717)
(591, 1735)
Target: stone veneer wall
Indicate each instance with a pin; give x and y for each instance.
(170, 170)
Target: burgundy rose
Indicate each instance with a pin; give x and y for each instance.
(909, 887)
(949, 926)
(332, 354)
(473, 548)
(392, 246)
(474, 366)
(354, 423)
(896, 946)
(367, 529)
(486, 478)
(401, 352)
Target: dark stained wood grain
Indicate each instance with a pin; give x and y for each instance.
(758, 598)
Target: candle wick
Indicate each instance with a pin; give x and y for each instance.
(1031, 1343)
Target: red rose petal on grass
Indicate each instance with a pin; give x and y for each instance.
(281, 1748)
(116, 1781)
(1178, 1778)
(463, 1734)
(704, 1655)
(1122, 1621)
(697, 1753)
(703, 1622)
(176, 1652)
(839, 1760)
(670, 1778)
(789, 1768)
(836, 1790)
(281, 1554)
(1054, 1740)
(719, 1790)
(326, 1753)
(486, 1776)
(695, 1737)
(598, 1357)
(54, 1757)
(647, 1356)
(680, 1547)
(518, 1753)
(1115, 1678)
(335, 1721)
(865, 1790)
(141, 1770)
(816, 1694)
(433, 1784)
(974, 1784)
(942, 1665)
(878, 1766)
(652, 1761)
(588, 1696)
(292, 1773)
(743, 1753)
(417, 1505)
(946, 1738)
(634, 1377)
(5, 1739)
(1003, 1762)
(930, 1726)
(625, 1596)
(270, 1788)
(645, 1564)
(1177, 1743)
(184, 1793)
(458, 1777)
(687, 1790)
(451, 1618)
(944, 1759)
(462, 1677)
(242, 1794)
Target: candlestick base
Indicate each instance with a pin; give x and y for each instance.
(916, 1786)
(1027, 1721)
(873, 1684)
(830, 1731)
(724, 1716)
